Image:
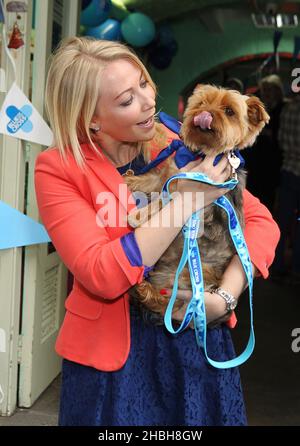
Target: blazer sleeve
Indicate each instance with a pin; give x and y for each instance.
(98, 263)
(261, 233)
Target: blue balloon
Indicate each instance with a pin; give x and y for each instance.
(165, 35)
(160, 58)
(109, 30)
(138, 29)
(96, 12)
(85, 4)
(173, 47)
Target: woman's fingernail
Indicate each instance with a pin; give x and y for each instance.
(163, 291)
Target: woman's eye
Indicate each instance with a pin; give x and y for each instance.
(124, 104)
(143, 85)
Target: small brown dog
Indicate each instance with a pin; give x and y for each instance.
(215, 121)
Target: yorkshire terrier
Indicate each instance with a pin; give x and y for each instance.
(216, 120)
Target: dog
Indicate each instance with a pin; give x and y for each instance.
(216, 120)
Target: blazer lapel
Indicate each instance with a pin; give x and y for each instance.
(110, 176)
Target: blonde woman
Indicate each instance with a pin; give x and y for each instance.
(118, 369)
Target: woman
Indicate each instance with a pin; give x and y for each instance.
(117, 368)
(266, 150)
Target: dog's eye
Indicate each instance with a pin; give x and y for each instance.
(229, 111)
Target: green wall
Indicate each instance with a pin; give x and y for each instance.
(201, 50)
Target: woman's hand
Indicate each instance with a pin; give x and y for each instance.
(214, 304)
(219, 174)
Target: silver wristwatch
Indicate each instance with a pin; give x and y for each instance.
(231, 301)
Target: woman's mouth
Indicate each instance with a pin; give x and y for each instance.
(148, 123)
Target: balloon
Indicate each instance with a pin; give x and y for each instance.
(118, 10)
(96, 12)
(109, 30)
(165, 35)
(160, 57)
(85, 4)
(173, 47)
(138, 29)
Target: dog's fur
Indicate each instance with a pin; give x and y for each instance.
(237, 120)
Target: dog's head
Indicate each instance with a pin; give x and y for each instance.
(219, 120)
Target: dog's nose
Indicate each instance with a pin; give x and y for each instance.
(203, 120)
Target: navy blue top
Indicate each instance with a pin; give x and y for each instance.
(166, 381)
(136, 164)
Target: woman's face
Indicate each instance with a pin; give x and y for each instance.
(126, 100)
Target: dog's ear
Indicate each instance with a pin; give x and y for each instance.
(256, 111)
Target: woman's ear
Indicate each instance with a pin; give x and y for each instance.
(256, 111)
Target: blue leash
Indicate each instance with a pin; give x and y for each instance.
(191, 254)
(196, 306)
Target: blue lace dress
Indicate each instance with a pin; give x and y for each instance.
(166, 380)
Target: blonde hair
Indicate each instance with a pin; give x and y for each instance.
(274, 80)
(73, 89)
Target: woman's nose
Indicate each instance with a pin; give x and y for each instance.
(148, 103)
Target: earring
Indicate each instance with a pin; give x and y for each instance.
(96, 129)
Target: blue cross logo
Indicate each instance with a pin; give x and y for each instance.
(19, 119)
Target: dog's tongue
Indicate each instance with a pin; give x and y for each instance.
(203, 120)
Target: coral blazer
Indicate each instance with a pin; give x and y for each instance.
(96, 327)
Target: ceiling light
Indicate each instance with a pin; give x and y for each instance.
(275, 21)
